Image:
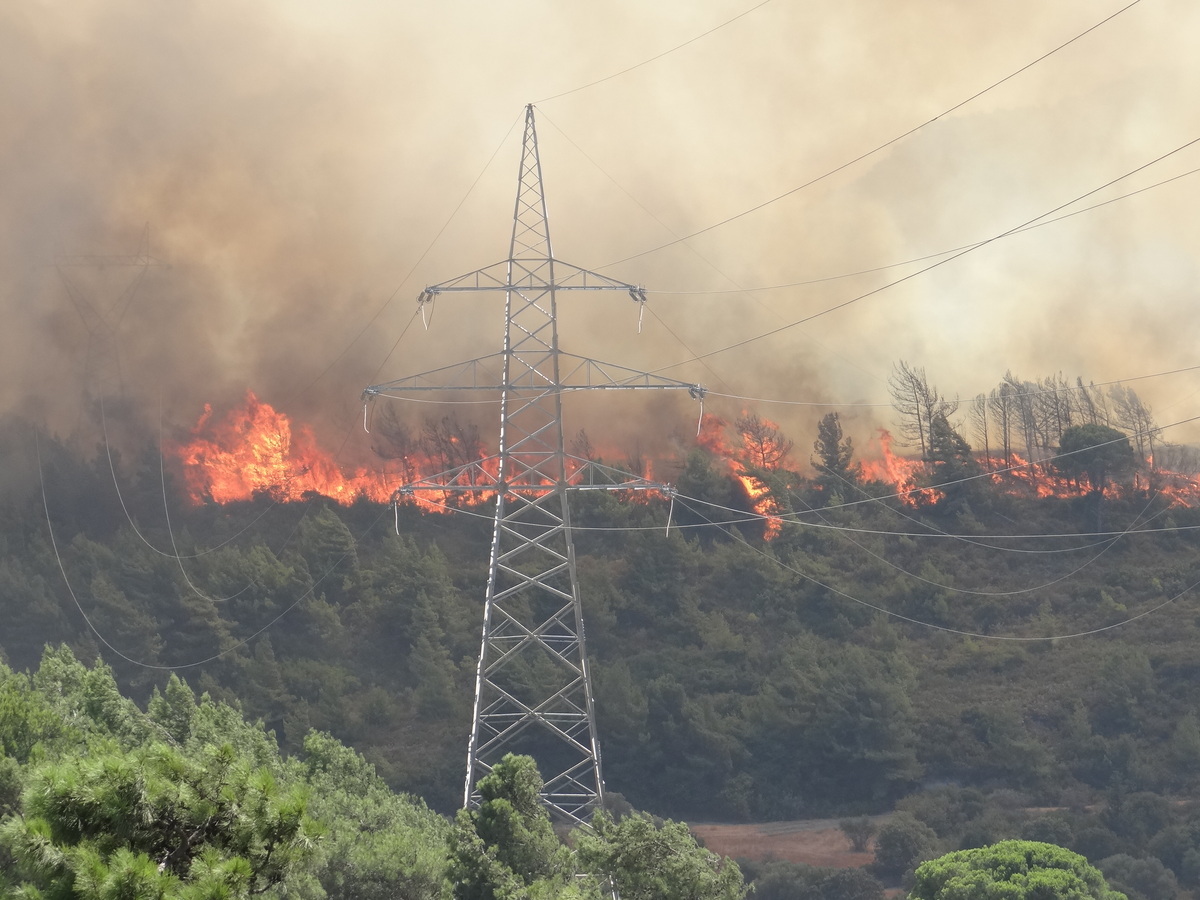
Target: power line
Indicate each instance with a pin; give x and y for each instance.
(653, 58)
(743, 517)
(933, 626)
(930, 267)
(62, 568)
(1034, 393)
(877, 149)
(908, 262)
(751, 290)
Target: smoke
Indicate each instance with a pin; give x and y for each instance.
(292, 164)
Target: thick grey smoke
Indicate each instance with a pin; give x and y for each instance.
(294, 161)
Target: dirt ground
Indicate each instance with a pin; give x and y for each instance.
(818, 842)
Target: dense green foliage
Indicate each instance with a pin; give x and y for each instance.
(155, 817)
(508, 845)
(1011, 870)
(901, 844)
(842, 668)
(649, 860)
(188, 801)
(1095, 452)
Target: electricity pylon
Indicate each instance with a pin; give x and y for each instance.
(103, 311)
(533, 690)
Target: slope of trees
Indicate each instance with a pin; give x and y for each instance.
(100, 801)
(189, 800)
(838, 669)
(735, 678)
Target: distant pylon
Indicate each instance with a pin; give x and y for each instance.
(102, 312)
(533, 689)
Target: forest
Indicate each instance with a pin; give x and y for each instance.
(993, 636)
(187, 800)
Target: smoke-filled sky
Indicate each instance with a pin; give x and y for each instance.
(303, 168)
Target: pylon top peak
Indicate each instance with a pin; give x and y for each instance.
(531, 228)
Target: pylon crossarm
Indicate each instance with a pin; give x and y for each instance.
(530, 273)
(586, 375)
(527, 494)
(581, 372)
(485, 373)
(593, 475)
(478, 475)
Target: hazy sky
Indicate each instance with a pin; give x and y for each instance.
(300, 162)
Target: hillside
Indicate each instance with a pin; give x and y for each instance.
(987, 650)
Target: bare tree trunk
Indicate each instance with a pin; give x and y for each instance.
(917, 403)
(1135, 417)
(1023, 397)
(979, 419)
(1000, 403)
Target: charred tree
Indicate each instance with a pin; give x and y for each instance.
(917, 403)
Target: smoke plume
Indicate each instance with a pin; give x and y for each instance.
(297, 170)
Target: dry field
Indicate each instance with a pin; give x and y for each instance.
(818, 842)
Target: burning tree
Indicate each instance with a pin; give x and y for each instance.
(764, 444)
(1096, 452)
(953, 467)
(1030, 417)
(755, 460)
(1135, 416)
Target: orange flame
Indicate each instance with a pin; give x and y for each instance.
(254, 449)
(1017, 475)
(901, 473)
(761, 450)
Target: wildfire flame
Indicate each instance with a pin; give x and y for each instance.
(901, 473)
(1020, 477)
(760, 448)
(254, 449)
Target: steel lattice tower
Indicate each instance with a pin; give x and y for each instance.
(103, 315)
(533, 691)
